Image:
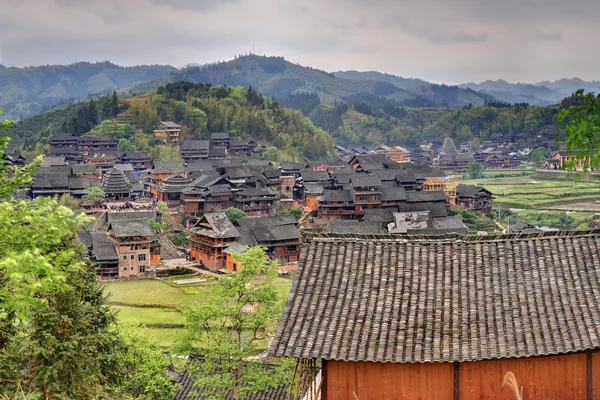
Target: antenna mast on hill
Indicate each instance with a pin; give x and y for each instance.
(253, 50)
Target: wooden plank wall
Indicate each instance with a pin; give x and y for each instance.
(389, 381)
(564, 377)
(555, 377)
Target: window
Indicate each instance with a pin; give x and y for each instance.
(141, 257)
(375, 197)
(132, 257)
(291, 248)
(142, 269)
(362, 198)
(125, 269)
(125, 257)
(132, 268)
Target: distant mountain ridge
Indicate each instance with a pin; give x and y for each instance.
(278, 78)
(26, 91)
(540, 93)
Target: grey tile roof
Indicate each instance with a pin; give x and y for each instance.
(215, 225)
(416, 299)
(219, 135)
(191, 145)
(354, 226)
(168, 167)
(276, 233)
(393, 194)
(314, 176)
(421, 196)
(470, 190)
(170, 124)
(435, 209)
(364, 180)
(338, 196)
(264, 222)
(79, 169)
(130, 228)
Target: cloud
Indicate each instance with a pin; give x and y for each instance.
(545, 36)
(440, 40)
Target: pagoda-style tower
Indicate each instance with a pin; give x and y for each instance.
(115, 185)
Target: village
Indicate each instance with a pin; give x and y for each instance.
(191, 217)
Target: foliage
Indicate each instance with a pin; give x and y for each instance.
(143, 367)
(111, 127)
(94, 195)
(205, 108)
(240, 312)
(66, 200)
(583, 129)
(475, 170)
(165, 153)
(234, 213)
(538, 155)
(476, 222)
(296, 212)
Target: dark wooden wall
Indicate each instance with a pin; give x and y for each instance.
(566, 377)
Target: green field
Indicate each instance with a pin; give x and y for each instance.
(530, 192)
(158, 304)
(555, 203)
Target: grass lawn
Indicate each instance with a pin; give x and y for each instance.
(155, 302)
(152, 292)
(149, 316)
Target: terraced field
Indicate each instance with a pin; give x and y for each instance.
(530, 192)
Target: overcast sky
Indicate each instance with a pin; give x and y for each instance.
(449, 41)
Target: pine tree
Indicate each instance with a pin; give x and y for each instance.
(93, 114)
(114, 103)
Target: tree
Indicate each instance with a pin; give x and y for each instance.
(583, 129)
(296, 212)
(538, 155)
(142, 365)
(475, 170)
(125, 145)
(94, 195)
(114, 104)
(232, 324)
(234, 213)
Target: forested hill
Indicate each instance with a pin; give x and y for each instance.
(278, 78)
(200, 108)
(31, 90)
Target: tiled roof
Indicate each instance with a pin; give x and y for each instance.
(337, 196)
(168, 167)
(365, 180)
(387, 298)
(130, 228)
(191, 145)
(421, 196)
(354, 226)
(470, 190)
(215, 225)
(170, 124)
(219, 135)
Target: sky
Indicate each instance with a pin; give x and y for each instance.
(451, 41)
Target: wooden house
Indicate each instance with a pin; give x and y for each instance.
(97, 143)
(570, 159)
(220, 140)
(239, 149)
(279, 235)
(257, 202)
(337, 205)
(170, 189)
(132, 240)
(212, 234)
(104, 254)
(168, 131)
(474, 198)
(51, 181)
(367, 191)
(447, 317)
(194, 150)
(139, 160)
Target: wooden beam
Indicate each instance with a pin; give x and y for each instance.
(589, 377)
(456, 381)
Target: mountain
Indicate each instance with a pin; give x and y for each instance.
(418, 88)
(540, 93)
(568, 86)
(278, 78)
(29, 91)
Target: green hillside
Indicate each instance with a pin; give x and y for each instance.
(199, 108)
(278, 78)
(31, 90)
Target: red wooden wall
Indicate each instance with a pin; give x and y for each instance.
(563, 377)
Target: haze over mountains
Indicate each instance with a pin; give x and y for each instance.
(29, 91)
